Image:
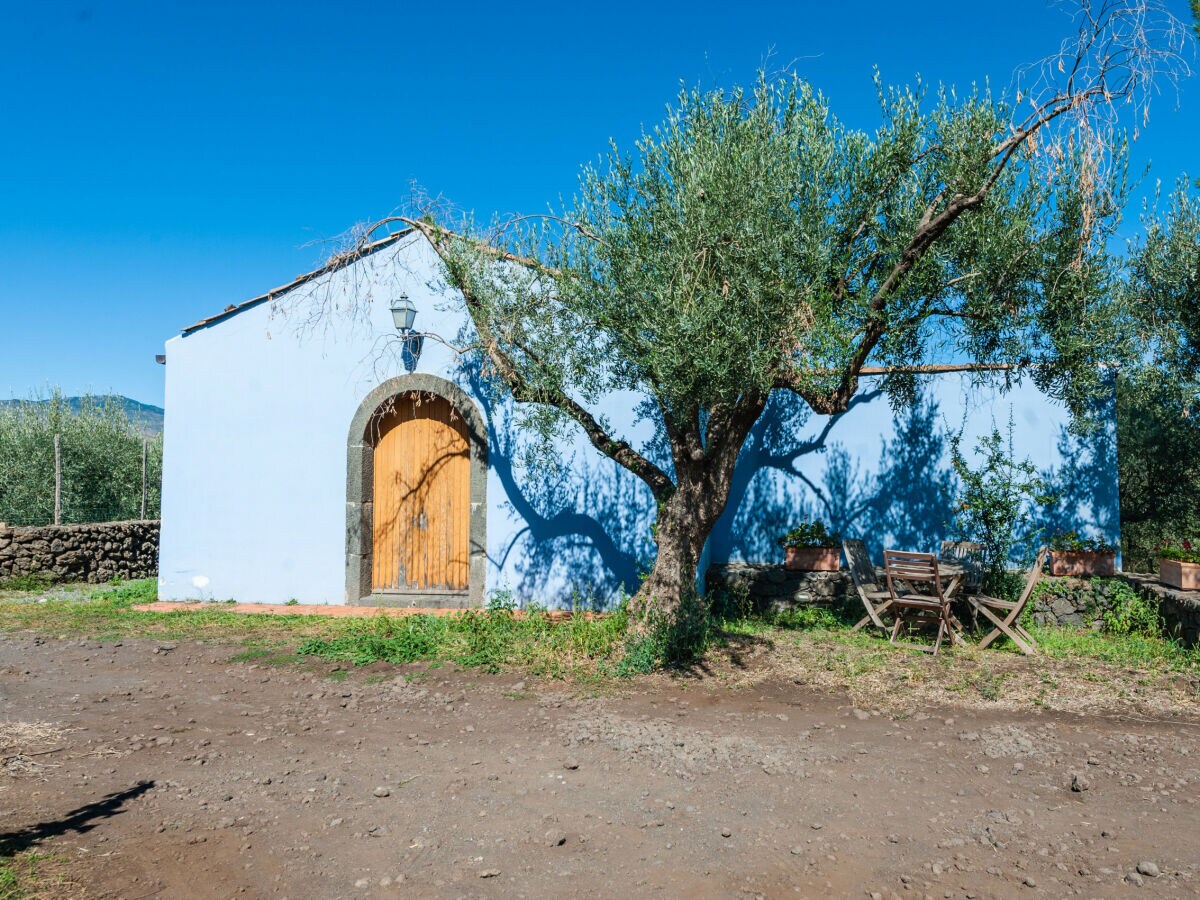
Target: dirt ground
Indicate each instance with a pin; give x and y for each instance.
(151, 769)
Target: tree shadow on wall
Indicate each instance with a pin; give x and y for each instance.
(585, 525)
(904, 502)
(1085, 486)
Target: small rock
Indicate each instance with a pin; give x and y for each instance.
(861, 714)
(555, 838)
(489, 873)
(1079, 784)
(1029, 882)
(362, 883)
(816, 826)
(572, 764)
(726, 832)
(519, 686)
(1147, 868)
(893, 838)
(797, 850)
(381, 791)
(1135, 879)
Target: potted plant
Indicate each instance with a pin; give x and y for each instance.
(1072, 555)
(1179, 566)
(809, 547)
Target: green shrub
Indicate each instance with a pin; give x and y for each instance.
(1131, 613)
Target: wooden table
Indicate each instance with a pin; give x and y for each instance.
(952, 575)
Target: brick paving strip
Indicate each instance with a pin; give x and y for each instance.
(308, 609)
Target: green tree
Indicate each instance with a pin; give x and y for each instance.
(997, 501)
(751, 243)
(1158, 409)
(101, 454)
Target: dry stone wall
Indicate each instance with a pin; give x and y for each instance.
(774, 587)
(94, 553)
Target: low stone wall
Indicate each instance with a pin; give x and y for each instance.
(774, 587)
(95, 553)
(1180, 609)
(1073, 602)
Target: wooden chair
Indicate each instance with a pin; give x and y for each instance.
(874, 596)
(968, 554)
(917, 597)
(991, 608)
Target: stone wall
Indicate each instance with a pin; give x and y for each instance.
(1083, 601)
(93, 553)
(774, 587)
(1180, 610)
(1073, 602)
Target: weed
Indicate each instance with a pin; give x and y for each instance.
(1132, 614)
(29, 583)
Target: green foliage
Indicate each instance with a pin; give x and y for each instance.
(1071, 542)
(1118, 608)
(753, 233)
(1184, 551)
(666, 641)
(810, 534)
(1131, 613)
(1158, 436)
(28, 583)
(101, 454)
(1164, 285)
(996, 501)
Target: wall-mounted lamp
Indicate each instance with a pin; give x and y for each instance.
(404, 314)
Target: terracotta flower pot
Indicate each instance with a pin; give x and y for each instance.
(1099, 563)
(812, 559)
(1182, 575)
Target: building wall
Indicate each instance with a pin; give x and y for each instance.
(259, 406)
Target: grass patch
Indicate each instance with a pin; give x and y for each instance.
(33, 582)
(31, 874)
(490, 639)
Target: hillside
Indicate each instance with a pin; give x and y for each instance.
(147, 418)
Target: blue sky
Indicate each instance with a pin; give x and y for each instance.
(163, 160)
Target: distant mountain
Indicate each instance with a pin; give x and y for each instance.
(147, 418)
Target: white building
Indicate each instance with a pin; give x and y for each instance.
(302, 461)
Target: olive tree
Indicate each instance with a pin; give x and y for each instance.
(751, 242)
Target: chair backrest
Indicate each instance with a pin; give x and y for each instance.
(901, 565)
(968, 554)
(1032, 579)
(859, 561)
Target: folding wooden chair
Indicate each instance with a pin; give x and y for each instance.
(924, 604)
(992, 607)
(968, 554)
(874, 596)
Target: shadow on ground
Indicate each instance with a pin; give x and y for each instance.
(80, 821)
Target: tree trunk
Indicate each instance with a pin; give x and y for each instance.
(705, 457)
(685, 521)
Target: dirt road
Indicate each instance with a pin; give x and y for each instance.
(175, 771)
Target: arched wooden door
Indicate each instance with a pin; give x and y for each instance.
(422, 498)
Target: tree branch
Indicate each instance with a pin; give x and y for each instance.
(526, 392)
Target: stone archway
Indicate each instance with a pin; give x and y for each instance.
(365, 433)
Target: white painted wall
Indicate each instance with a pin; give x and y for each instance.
(254, 469)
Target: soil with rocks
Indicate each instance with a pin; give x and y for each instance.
(171, 770)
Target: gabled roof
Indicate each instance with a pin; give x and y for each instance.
(340, 261)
